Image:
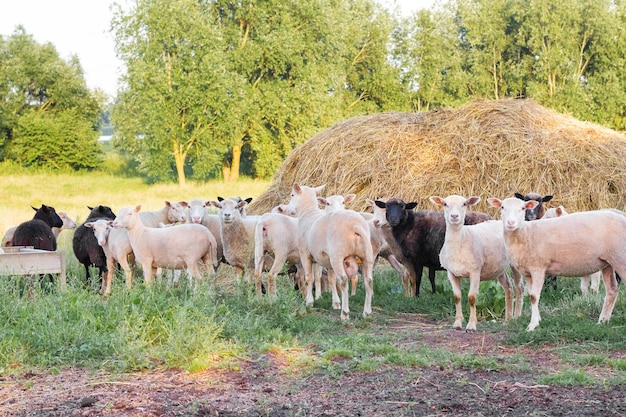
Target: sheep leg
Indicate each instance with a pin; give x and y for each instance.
(519, 292)
(508, 296)
(108, 276)
(148, 272)
(317, 272)
(535, 284)
(342, 281)
(307, 265)
(404, 274)
(274, 270)
(471, 299)
(354, 280)
(584, 284)
(368, 283)
(333, 283)
(456, 289)
(127, 271)
(612, 289)
(419, 269)
(595, 281)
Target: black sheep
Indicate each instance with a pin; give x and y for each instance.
(38, 231)
(419, 235)
(85, 244)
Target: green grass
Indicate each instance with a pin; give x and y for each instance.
(223, 323)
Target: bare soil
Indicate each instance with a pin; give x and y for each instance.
(267, 386)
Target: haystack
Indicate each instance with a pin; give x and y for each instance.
(486, 148)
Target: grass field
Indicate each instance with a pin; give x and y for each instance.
(224, 322)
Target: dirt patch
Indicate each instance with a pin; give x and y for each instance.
(264, 386)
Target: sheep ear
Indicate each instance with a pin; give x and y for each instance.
(531, 204)
(90, 208)
(110, 222)
(322, 201)
(411, 205)
(183, 203)
(168, 204)
(518, 195)
(436, 200)
(494, 202)
(349, 198)
(472, 200)
(248, 200)
(138, 208)
(319, 189)
(90, 225)
(220, 198)
(34, 208)
(213, 203)
(547, 198)
(297, 188)
(380, 204)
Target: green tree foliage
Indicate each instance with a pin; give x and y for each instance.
(48, 117)
(566, 54)
(212, 82)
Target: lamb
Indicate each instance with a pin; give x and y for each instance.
(117, 248)
(237, 234)
(184, 246)
(334, 241)
(538, 212)
(553, 246)
(419, 236)
(85, 245)
(38, 231)
(476, 252)
(68, 224)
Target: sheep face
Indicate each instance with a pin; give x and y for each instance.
(196, 210)
(512, 211)
(100, 212)
(101, 230)
(68, 223)
(538, 211)
(395, 210)
(49, 215)
(454, 207)
(335, 202)
(229, 209)
(176, 212)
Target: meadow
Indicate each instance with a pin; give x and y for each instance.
(223, 324)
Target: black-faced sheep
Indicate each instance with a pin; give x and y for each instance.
(85, 245)
(38, 231)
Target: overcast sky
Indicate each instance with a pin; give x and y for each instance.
(81, 27)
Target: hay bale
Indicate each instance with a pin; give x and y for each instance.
(486, 148)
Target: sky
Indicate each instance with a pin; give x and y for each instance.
(81, 28)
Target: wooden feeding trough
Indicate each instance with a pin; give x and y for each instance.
(24, 260)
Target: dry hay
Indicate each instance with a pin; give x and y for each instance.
(486, 148)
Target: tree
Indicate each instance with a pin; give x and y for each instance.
(212, 82)
(45, 107)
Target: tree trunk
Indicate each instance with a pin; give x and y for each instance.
(179, 160)
(236, 162)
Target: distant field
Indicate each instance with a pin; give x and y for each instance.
(73, 193)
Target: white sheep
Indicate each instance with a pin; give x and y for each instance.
(184, 246)
(275, 234)
(588, 281)
(476, 252)
(334, 241)
(170, 213)
(117, 249)
(237, 234)
(571, 246)
(197, 213)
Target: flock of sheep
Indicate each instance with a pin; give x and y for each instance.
(317, 236)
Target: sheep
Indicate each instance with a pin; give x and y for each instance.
(379, 243)
(275, 234)
(237, 234)
(68, 224)
(85, 245)
(334, 241)
(554, 246)
(197, 213)
(184, 246)
(117, 248)
(585, 281)
(538, 212)
(419, 236)
(476, 252)
(170, 213)
(38, 231)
